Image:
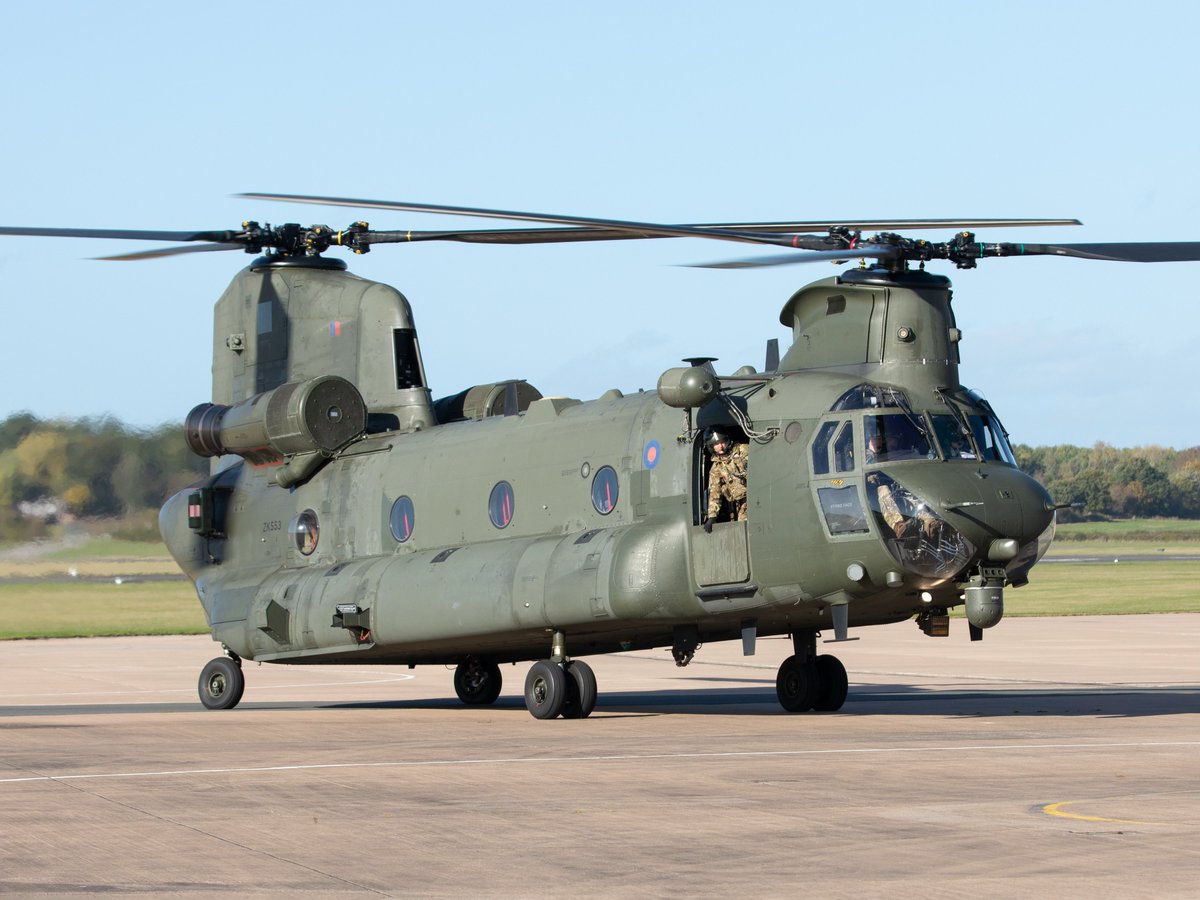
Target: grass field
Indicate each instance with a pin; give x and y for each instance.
(104, 557)
(1187, 530)
(109, 548)
(1095, 589)
(96, 609)
(31, 609)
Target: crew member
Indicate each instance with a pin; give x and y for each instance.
(726, 478)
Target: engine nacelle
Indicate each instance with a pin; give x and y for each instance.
(314, 416)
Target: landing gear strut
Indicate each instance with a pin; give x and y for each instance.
(560, 686)
(807, 681)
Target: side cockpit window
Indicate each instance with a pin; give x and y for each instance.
(842, 446)
(843, 449)
(820, 448)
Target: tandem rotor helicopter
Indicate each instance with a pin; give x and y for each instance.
(350, 517)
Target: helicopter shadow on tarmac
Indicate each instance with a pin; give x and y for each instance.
(889, 699)
(875, 700)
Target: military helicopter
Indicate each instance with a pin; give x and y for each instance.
(350, 517)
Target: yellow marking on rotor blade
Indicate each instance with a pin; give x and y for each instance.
(1056, 809)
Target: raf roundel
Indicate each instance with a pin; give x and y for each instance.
(651, 454)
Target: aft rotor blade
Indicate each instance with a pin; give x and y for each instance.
(1166, 251)
(803, 256)
(891, 224)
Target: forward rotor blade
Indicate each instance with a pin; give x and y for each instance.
(802, 256)
(575, 234)
(171, 251)
(590, 229)
(119, 234)
(1166, 251)
(635, 229)
(502, 236)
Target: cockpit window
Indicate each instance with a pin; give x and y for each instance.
(991, 441)
(990, 438)
(895, 437)
(955, 443)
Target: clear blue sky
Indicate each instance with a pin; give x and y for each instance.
(150, 115)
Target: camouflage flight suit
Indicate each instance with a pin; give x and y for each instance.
(890, 510)
(727, 480)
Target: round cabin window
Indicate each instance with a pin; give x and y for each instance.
(604, 490)
(305, 531)
(402, 519)
(500, 504)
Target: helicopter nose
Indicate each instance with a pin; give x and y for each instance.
(944, 522)
(1000, 510)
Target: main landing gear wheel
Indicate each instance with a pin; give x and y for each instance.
(818, 683)
(832, 684)
(581, 691)
(221, 683)
(796, 684)
(477, 682)
(545, 689)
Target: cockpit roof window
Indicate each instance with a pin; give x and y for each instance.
(868, 396)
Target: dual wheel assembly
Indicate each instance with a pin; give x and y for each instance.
(811, 683)
(566, 689)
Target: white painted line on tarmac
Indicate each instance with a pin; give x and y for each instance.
(632, 757)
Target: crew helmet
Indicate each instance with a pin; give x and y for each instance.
(716, 436)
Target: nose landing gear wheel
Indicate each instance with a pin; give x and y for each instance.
(545, 689)
(221, 683)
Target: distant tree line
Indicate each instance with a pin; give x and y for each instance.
(1109, 482)
(52, 470)
(56, 470)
